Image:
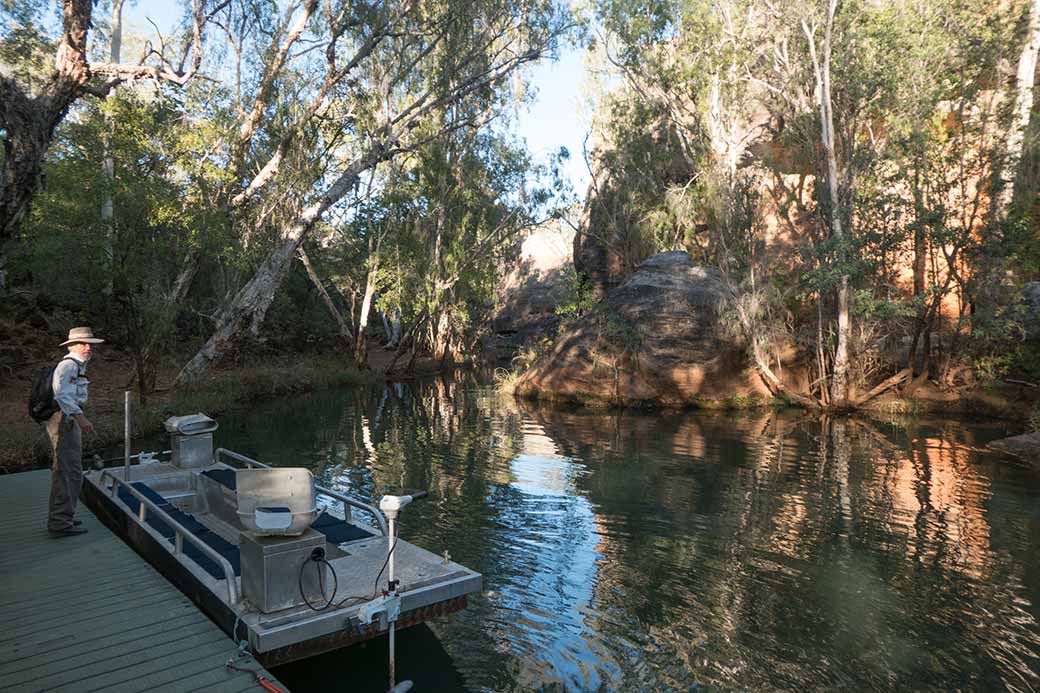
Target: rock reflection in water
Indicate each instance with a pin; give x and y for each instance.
(662, 551)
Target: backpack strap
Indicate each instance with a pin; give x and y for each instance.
(74, 360)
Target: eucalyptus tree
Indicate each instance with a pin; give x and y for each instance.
(823, 149)
(340, 88)
(34, 99)
(428, 242)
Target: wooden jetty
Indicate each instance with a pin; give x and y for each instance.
(86, 613)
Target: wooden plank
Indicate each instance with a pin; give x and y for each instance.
(108, 570)
(87, 613)
(41, 610)
(93, 592)
(212, 664)
(81, 619)
(75, 659)
(207, 682)
(106, 672)
(239, 687)
(75, 638)
(47, 652)
(176, 655)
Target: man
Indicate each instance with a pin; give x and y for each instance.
(65, 429)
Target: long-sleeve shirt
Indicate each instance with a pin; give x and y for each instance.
(70, 385)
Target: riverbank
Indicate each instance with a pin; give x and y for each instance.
(23, 446)
(1016, 402)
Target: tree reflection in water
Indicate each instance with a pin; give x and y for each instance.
(661, 551)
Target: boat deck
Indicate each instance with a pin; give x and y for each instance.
(178, 502)
(86, 613)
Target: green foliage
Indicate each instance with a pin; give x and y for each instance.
(506, 378)
(721, 96)
(26, 51)
(992, 368)
(579, 299)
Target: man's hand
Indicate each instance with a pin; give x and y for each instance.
(84, 425)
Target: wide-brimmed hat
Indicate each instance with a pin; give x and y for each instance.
(81, 335)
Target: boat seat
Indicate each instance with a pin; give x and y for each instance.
(224, 477)
(338, 531)
(211, 539)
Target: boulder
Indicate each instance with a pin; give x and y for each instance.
(657, 339)
(1025, 447)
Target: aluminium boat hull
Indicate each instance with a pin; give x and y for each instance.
(435, 587)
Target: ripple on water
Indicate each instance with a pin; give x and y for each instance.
(660, 552)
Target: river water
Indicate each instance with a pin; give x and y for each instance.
(652, 551)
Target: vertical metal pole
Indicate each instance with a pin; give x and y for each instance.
(392, 624)
(392, 526)
(126, 435)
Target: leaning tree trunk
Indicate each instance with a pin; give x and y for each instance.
(920, 276)
(30, 121)
(442, 336)
(24, 148)
(344, 329)
(361, 342)
(254, 299)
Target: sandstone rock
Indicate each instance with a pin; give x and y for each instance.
(529, 294)
(1025, 447)
(656, 339)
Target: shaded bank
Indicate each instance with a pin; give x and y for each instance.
(676, 335)
(657, 339)
(23, 445)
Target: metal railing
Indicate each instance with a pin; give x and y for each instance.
(180, 531)
(348, 502)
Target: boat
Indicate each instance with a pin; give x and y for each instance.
(285, 567)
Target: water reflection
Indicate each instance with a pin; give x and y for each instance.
(644, 552)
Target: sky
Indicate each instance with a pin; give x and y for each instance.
(557, 116)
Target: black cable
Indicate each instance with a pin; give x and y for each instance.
(335, 582)
(375, 585)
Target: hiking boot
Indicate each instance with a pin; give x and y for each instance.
(67, 532)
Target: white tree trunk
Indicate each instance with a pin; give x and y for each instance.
(1024, 82)
(386, 329)
(109, 165)
(255, 298)
(840, 375)
(344, 330)
(360, 345)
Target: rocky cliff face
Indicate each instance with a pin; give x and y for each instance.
(658, 338)
(528, 295)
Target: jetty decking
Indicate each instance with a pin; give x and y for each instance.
(86, 613)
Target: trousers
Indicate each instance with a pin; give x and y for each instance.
(66, 471)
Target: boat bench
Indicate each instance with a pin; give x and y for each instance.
(211, 539)
(336, 531)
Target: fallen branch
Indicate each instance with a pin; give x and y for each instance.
(883, 386)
